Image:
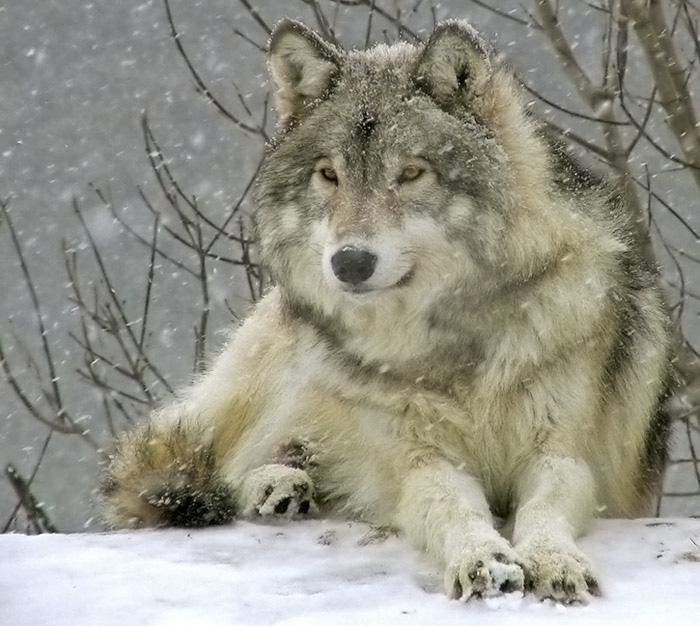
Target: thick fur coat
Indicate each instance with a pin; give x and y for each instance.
(462, 327)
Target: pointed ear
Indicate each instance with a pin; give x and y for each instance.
(456, 61)
(302, 67)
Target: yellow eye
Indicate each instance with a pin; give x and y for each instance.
(409, 173)
(329, 174)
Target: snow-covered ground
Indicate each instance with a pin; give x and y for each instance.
(321, 573)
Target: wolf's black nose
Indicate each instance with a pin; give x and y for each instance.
(353, 265)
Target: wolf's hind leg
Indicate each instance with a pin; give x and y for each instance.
(445, 511)
(165, 473)
(556, 503)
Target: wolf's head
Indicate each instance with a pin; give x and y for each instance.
(394, 169)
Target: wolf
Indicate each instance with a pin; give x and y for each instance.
(462, 331)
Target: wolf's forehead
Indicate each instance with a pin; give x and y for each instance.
(380, 69)
(373, 121)
(377, 83)
(384, 57)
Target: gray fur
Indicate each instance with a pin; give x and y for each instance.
(505, 351)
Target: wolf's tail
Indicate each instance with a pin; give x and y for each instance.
(164, 474)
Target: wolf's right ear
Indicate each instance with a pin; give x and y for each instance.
(455, 63)
(302, 66)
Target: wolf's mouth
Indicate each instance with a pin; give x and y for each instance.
(364, 290)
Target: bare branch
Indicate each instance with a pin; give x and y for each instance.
(600, 100)
(119, 320)
(199, 82)
(56, 400)
(669, 76)
(508, 15)
(36, 514)
(256, 16)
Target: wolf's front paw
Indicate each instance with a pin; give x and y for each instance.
(486, 571)
(561, 573)
(277, 490)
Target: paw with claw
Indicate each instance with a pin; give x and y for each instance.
(557, 572)
(484, 571)
(279, 490)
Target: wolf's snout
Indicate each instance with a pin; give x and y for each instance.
(353, 265)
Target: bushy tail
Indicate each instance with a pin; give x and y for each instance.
(164, 475)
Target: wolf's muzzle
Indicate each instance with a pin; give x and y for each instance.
(353, 265)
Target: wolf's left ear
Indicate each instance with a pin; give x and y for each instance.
(302, 66)
(455, 60)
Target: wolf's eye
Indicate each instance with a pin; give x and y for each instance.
(409, 173)
(329, 174)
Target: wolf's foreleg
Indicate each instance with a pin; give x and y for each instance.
(556, 503)
(282, 486)
(186, 464)
(444, 510)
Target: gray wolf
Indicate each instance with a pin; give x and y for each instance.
(462, 330)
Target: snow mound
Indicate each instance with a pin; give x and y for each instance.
(320, 573)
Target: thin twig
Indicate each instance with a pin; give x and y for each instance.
(200, 84)
(36, 514)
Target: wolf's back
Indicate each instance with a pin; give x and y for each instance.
(165, 474)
